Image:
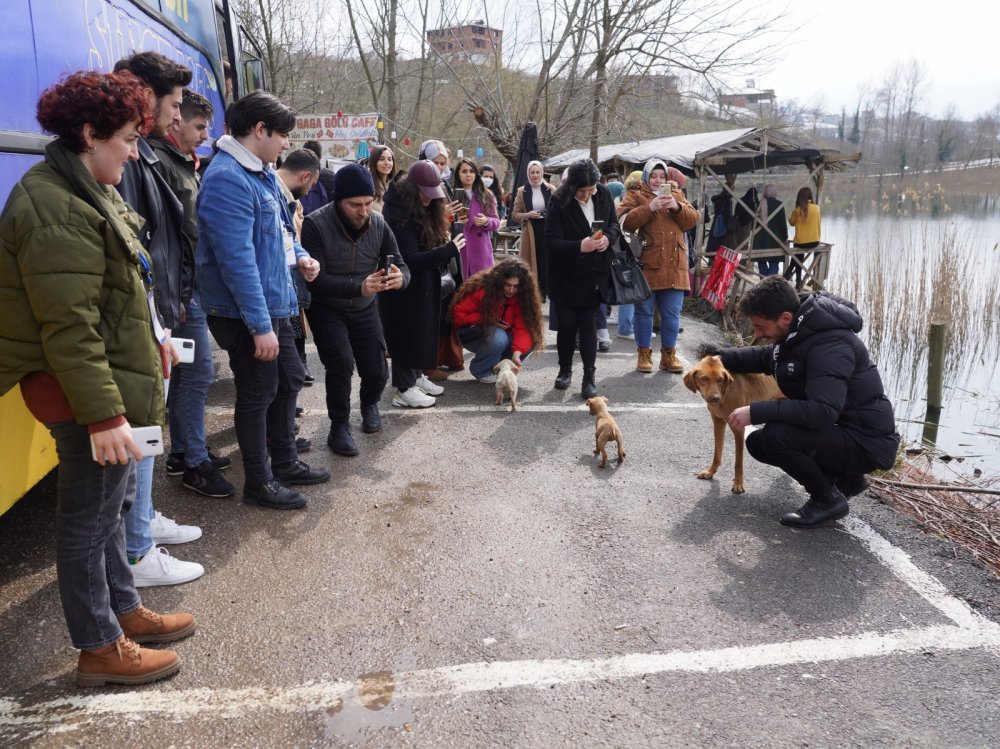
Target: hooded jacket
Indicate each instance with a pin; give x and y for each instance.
(72, 301)
(825, 371)
(664, 247)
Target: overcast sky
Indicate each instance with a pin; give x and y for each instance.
(845, 43)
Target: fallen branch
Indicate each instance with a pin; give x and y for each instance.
(938, 487)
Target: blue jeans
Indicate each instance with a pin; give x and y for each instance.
(769, 267)
(489, 350)
(189, 384)
(626, 313)
(95, 581)
(669, 302)
(138, 534)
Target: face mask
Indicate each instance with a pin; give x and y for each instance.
(488, 181)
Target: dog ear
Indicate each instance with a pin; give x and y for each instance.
(496, 369)
(689, 380)
(727, 379)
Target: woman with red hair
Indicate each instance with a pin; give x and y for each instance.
(76, 335)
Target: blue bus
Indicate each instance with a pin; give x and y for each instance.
(41, 41)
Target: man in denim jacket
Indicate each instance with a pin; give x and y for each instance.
(245, 247)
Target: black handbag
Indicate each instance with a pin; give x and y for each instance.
(447, 281)
(628, 283)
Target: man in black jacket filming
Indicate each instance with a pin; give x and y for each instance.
(836, 424)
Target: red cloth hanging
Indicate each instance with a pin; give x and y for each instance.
(720, 278)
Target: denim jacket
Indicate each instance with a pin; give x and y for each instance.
(240, 258)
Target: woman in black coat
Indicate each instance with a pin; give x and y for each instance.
(415, 211)
(579, 265)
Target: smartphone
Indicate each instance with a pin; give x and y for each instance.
(597, 229)
(665, 189)
(184, 348)
(149, 440)
(461, 195)
(385, 262)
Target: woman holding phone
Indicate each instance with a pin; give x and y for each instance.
(479, 218)
(76, 335)
(660, 213)
(580, 227)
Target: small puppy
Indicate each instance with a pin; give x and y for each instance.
(723, 393)
(506, 382)
(605, 429)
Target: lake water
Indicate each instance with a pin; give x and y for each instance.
(901, 271)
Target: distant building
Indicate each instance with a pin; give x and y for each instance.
(751, 98)
(473, 42)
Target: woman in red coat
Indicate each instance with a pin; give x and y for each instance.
(498, 315)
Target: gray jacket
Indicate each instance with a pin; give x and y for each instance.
(345, 262)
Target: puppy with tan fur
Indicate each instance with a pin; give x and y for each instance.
(723, 392)
(506, 372)
(605, 429)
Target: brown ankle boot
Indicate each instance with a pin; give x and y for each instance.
(669, 360)
(143, 625)
(644, 360)
(124, 662)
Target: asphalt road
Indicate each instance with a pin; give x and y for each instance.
(473, 579)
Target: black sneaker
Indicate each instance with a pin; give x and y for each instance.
(303, 445)
(273, 495)
(341, 441)
(299, 411)
(301, 474)
(177, 467)
(175, 464)
(604, 346)
(206, 479)
(309, 379)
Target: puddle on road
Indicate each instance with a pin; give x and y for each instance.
(367, 707)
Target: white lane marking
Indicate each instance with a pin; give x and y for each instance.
(68, 713)
(927, 587)
(529, 407)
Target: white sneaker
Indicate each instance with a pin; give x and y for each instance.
(488, 379)
(413, 398)
(167, 531)
(428, 387)
(159, 568)
(630, 336)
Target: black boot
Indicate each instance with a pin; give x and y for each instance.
(564, 378)
(340, 440)
(589, 388)
(819, 509)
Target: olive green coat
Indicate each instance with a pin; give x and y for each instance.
(72, 298)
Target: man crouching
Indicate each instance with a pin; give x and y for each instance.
(837, 423)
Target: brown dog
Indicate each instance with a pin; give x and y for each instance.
(723, 393)
(506, 382)
(605, 429)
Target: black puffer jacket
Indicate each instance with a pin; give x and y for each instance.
(825, 371)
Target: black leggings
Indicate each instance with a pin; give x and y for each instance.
(813, 457)
(571, 321)
(793, 268)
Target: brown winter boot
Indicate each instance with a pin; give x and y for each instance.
(143, 625)
(124, 662)
(644, 360)
(669, 360)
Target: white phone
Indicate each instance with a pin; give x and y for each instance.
(149, 440)
(184, 348)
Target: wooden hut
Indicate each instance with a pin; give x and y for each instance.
(708, 159)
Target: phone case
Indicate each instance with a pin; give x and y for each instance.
(184, 348)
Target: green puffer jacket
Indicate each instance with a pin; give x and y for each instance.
(72, 299)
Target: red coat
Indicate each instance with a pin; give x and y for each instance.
(468, 311)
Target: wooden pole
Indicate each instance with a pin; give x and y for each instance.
(936, 349)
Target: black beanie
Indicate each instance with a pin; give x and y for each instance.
(352, 181)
